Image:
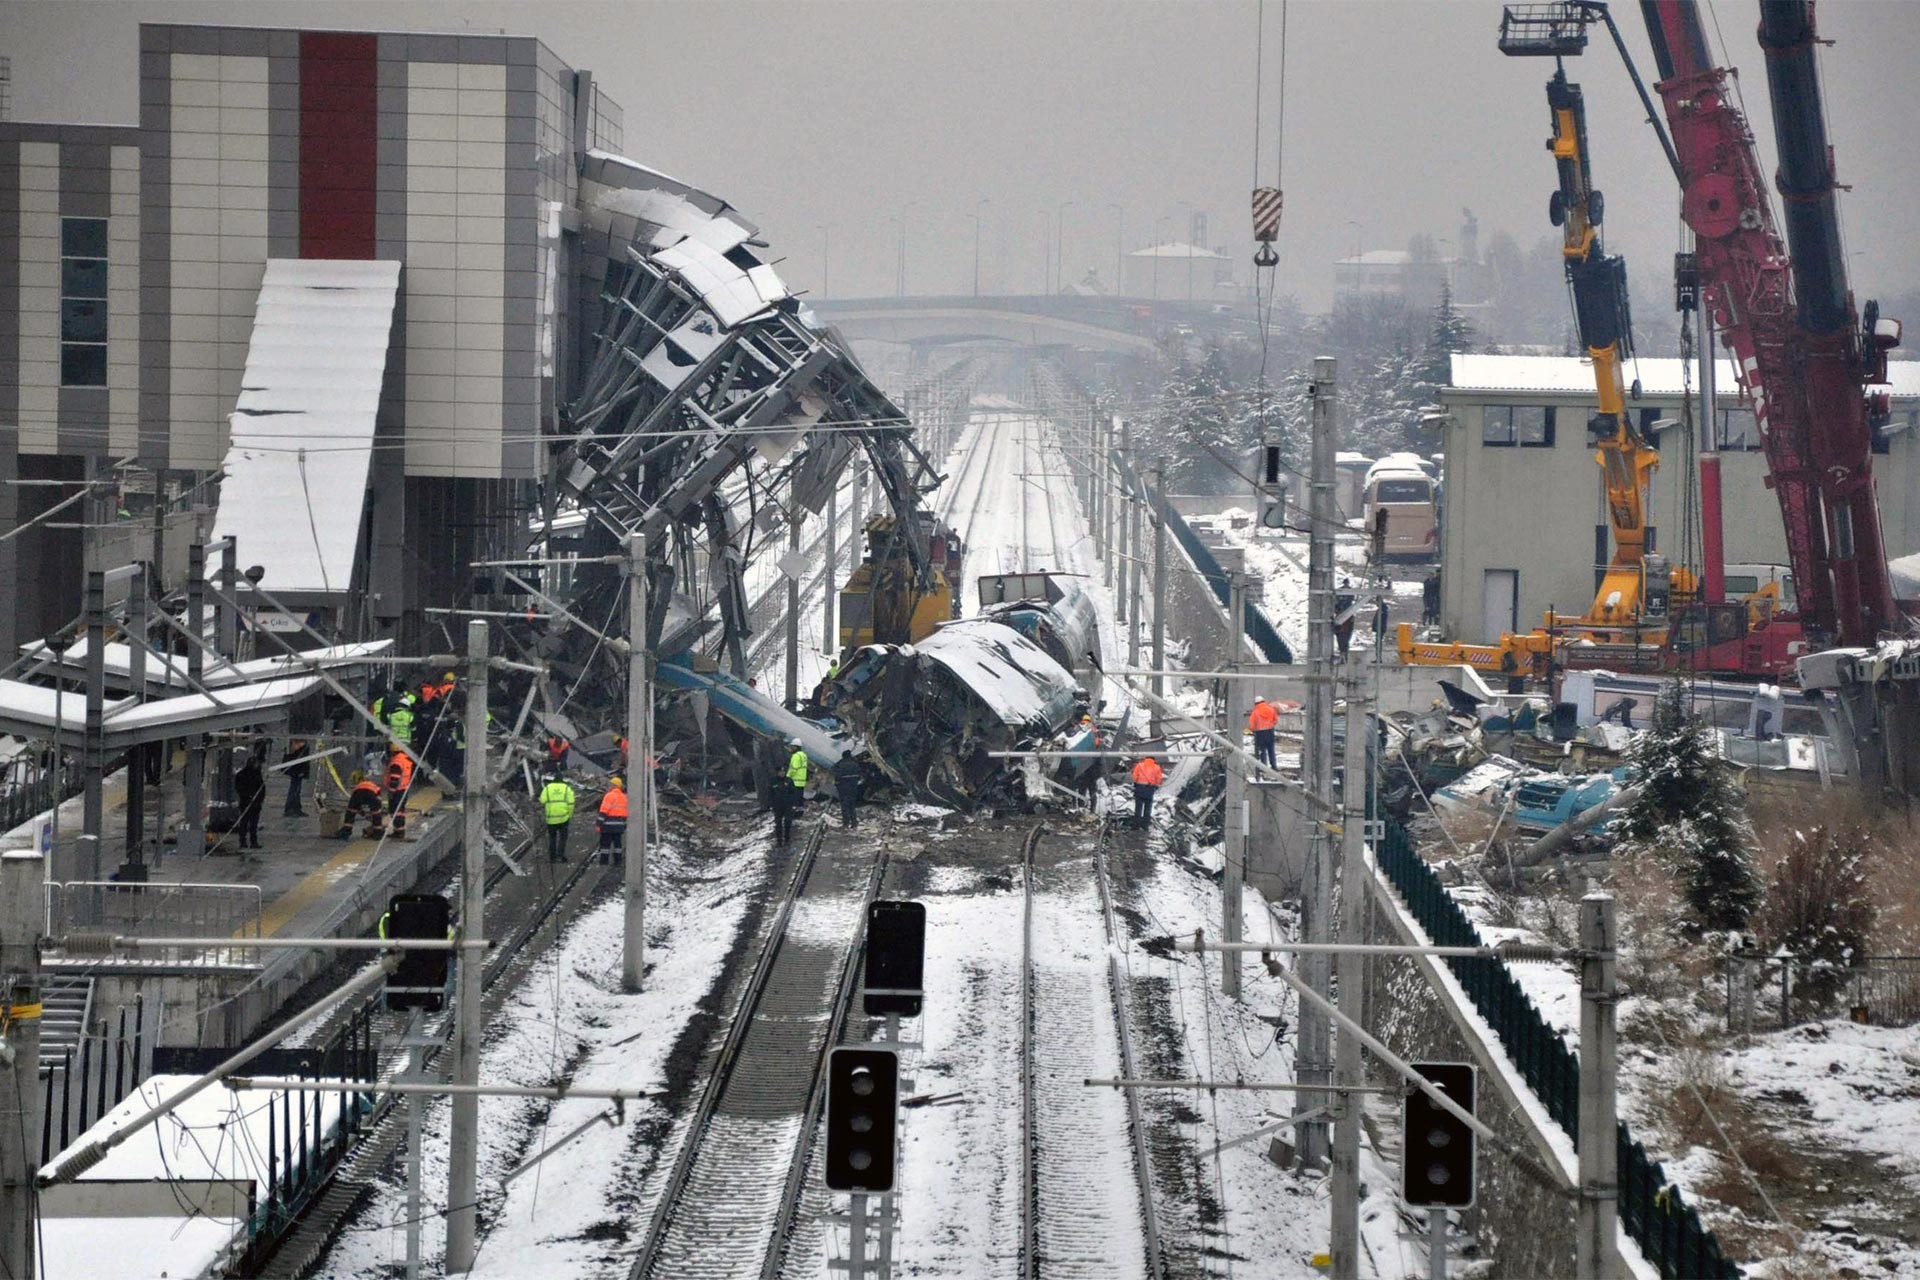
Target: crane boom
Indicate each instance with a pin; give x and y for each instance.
(1598, 281)
(1813, 426)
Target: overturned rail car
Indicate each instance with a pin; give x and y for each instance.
(933, 713)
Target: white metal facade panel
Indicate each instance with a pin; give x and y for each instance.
(302, 432)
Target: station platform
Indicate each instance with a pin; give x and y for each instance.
(300, 884)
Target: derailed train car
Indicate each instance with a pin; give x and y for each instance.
(933, 713)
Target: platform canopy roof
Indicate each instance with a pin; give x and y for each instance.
(35, 711)
(169, 670)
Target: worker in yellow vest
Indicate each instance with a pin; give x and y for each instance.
(557, 800)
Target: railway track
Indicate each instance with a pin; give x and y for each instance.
(1074, 1221)
(726, 1207)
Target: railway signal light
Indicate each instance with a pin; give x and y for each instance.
(420, 979)
(1437, 1164)
(896, 958)
(863, 1087)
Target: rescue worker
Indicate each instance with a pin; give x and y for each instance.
(797, 768)
(557, 749)
(250, 789)
(847, 778)
(556, 803)
(399, 782)
(364, 801)
(613, 820)
(1090, 777)
(297, 770)
(1344, 610)
(400, 719)
(1262, 720)
(1147, 777)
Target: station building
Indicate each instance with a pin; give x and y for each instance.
(1524, 525)
(132, 263)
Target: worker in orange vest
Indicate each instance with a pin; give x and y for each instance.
(399, 782)
(364, 801)
(613, 821)
(1147, 777)
(1262, 720)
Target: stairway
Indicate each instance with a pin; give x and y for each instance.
(66, 1000)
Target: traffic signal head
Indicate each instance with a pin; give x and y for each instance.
(420, 981)
(863, 1088)
(1437, 1169)
(896, 957)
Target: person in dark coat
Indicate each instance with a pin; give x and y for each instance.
(250, 789)
(847, 779)
(296, 776)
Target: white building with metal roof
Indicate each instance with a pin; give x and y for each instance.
(1524, 523)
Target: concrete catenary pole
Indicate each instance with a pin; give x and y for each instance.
(1123, 571)
(1311, 1063)
(1596, 1228)
(793, 609)
(462, 1163)
(1160, 581)
(1233, 852)
(93, 757)
(1136, 577)
(829, 641)
(1353, 981)
(22, 899)
(194, 781)
(1104, 499)
(227, 642)
(633, 963)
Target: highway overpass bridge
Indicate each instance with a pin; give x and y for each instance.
(1120, 325)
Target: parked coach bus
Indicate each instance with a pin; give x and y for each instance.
(1401, 509)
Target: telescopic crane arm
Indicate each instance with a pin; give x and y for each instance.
(1599, 284)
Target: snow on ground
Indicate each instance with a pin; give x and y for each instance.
(1274, 1220)
(570, 1010)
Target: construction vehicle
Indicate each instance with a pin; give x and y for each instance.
(1803, 356)
(1630, 606)
(887, 599)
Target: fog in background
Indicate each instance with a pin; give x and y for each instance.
(839, 120)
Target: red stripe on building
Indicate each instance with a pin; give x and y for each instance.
(339, 143)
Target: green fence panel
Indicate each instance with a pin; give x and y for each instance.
(1654, 1213)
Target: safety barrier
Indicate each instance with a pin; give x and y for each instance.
(1652, 1209)
(1259, 629)
(152, 909)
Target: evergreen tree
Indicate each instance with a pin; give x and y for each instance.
(1690, 813)
(1449, 333)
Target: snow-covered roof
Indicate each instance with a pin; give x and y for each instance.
(171, 669)
(35, 711)
(302, 431)
(1176, 249)
(1658, 376)
(1377, 258)
(700, 237)
(1008, 672)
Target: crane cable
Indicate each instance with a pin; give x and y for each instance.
(1271, 272)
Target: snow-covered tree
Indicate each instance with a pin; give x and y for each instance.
(1449, 332)
(1690, 814)
(1819, 904)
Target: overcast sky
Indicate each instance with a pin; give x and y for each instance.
(851, 116)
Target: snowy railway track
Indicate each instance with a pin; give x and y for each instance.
(1075, 1220)
(727, 1205)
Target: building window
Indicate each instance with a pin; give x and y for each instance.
(83, 302)
(1737, 430)
(1528, 425)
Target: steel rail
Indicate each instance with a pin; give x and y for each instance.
(1029, 1179)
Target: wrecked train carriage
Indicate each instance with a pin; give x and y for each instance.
(1054, 612)
(933, 713)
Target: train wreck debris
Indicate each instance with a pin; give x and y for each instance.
(933, 713)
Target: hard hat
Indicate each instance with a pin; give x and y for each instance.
(1258, 698)
(793, 742)
(449, 676)
(617, 781)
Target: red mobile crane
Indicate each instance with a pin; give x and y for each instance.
(1806, 367)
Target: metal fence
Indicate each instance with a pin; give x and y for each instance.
(1652, 1210)
(1774, 992)
(152, 909)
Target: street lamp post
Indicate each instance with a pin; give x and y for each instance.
(1060, 239)
(1046, 250)
(978, 205)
